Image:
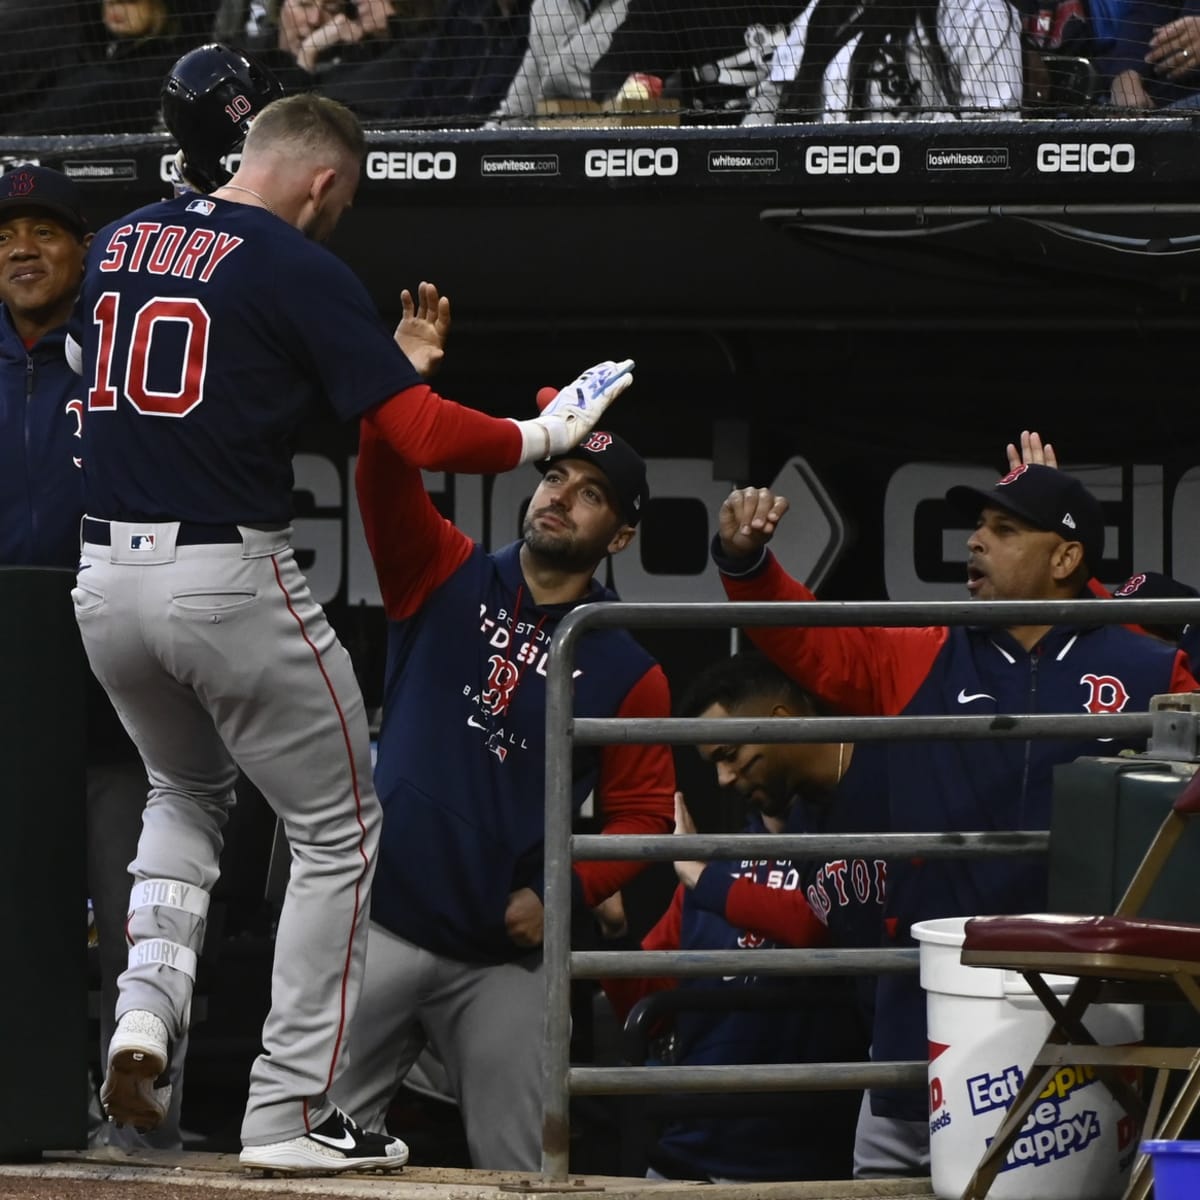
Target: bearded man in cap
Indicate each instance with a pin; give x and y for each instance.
(454, 955)
(1038, 535)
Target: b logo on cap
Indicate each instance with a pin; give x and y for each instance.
(1015, 473)
(22, 184)
(598, 441)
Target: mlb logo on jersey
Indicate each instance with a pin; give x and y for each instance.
(205, 207)
(141, 541)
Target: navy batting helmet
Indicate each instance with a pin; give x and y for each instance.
(208, 100)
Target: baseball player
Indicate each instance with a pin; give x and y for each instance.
(1039, 535)
(760, 903)
(454, 957)
(213, 325)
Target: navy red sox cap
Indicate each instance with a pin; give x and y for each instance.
(1151, 585)
(39, 189)
(1048, 499)
(623, 467)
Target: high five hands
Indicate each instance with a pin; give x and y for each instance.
(1032, 451)
(424, 328)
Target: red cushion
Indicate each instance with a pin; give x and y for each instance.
(1046, 933)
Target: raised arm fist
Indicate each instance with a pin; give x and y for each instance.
(568, 417)
(747, 520)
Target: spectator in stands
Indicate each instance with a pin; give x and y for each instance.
(43, 241)
(1057, 34)
(566, 39)
(940, 60)
(454, 955)
(1039, 535)
(1154, 62)
(456, 74)
(763, 903)
(113, 87)
(312, 43)
(707, 53)
(38, 41)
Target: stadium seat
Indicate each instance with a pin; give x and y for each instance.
(1115, 959)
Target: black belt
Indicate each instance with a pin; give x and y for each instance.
(191, 533)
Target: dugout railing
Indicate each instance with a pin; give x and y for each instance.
(564, 731)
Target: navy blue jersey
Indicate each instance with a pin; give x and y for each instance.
(211, 330)
(935, 786)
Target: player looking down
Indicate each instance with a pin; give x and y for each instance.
(213, 326)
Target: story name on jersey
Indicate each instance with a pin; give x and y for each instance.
(160, 249)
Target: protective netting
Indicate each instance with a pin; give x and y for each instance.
(95, 66)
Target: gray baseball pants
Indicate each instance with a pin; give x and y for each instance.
(216, 656)
(485, 1023)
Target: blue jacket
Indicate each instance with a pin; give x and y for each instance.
(41, 484)
(935, 786)
(461, 762)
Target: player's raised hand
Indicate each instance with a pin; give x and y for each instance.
(1033, 451)
(424, 328)
(748, 518)
(572, 414)
(688, 872)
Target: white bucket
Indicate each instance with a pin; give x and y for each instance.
(985, 1026)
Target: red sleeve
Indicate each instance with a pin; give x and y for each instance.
(439, 435)
(869, 671)
(1182, 679)
(635, 789)
(623, 994)
(413, 546)
(772, 912)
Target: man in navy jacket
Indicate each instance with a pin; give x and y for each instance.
(1039, 535)
(454, 955)
(43, 242)
(761, 903)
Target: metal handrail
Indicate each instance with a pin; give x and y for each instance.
(562, 731)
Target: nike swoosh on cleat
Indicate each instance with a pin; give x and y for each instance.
(963, 698)
(345, 1142)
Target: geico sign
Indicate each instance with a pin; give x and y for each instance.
(1092, 158)
(643, 160)
(852, 160)
(411, 164)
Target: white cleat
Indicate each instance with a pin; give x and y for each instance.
(137, 1056)
(337, 1144)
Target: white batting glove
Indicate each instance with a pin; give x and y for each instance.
(573, 413)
